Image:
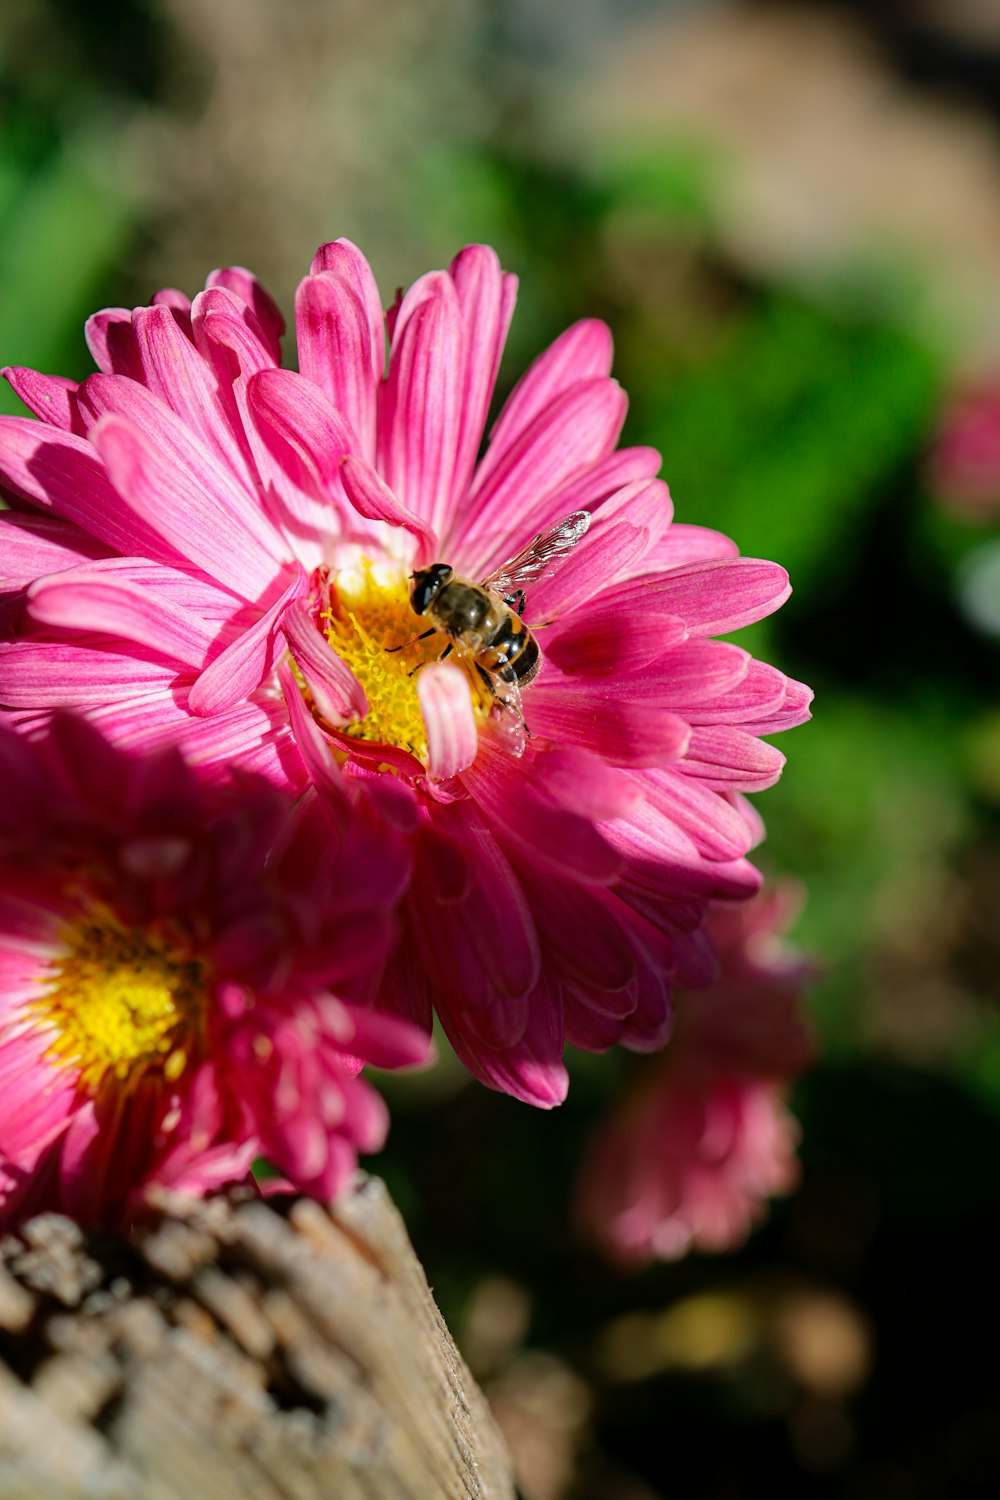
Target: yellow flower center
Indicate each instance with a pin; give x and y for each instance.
(121, 1000)
(369, 614)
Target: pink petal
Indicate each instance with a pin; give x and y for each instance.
(419, 423)
(90, 600)
(345, 260)
(336, 352)
(54, 674)
(522, 813)
(715, 597)
(533, 1070)
(755, 700)
(588, 489)
(579, 428)
(238, 670)
(174, 371)
(623, 733)
(727, 757)
(689, 544)
(714, 826)
(583, 352)
(268, 320)
(111, 340)
(51, 397)
(306, 439)
(62, 474)
(190, 503)
(486, 303)
(32, 545)
(584, 783)
(373, 499)
(604, 640)
(446, 706)
(336, 691)
(794, 709)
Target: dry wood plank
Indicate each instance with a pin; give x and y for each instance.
(236, 1348)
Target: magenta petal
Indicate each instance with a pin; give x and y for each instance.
(755, 700)
(238, 670)
(335, 342)
(585, 783)
(718, 596)
(336, 691)
(714, 826)
(421, 400)
(622, 732)
(583, 352)
(111, 340)
(174, 371)
(522, 812)
(32, 545)
(794, 709)
(52, 398)
(533, 1070)
(62, 474)
(446, 706)
(266, 313)
(312, 435)
(63, 675)
(373, 499)
(386, 1041)
(194, 512)
(312, 743)
(486, 302)
(579, 428)
(689, 544)
(728, 757)
(605, 640)
(90, 600)
(345, 260)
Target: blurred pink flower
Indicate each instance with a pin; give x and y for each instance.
(214, 551)
(169, 977)
(688, 1162)
(964, 465)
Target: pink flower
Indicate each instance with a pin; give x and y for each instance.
(690, 1159)
(214, 551)
(965, 456)
(170, 973)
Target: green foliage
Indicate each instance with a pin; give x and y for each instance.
(782, 438)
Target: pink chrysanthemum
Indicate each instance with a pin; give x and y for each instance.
(214, 551)
(169, 977)
(689, 1161)
(965, 456)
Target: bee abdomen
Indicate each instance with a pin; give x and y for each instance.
(512, 653)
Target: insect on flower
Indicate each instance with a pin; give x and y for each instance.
(483, 621)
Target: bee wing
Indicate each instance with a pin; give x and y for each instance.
(508, 716)
(532, 561)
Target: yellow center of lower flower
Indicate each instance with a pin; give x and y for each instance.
(369, 613)
(120, 1001)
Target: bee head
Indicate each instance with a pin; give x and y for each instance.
(427, 584)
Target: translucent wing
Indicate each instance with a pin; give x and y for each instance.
(532, 561)
(508, 716)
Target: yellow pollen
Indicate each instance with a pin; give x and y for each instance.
(120, 1001)
(369, 611)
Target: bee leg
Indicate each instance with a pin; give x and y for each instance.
(504, 702)
(446, 652)
(411, 642)
(516, 600)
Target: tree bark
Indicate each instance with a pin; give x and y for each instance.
(232, 1351)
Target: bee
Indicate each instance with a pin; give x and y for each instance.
(483, 621)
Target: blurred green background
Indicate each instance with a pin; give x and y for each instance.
(790, 215)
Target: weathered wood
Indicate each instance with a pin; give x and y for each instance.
(229, 1350)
